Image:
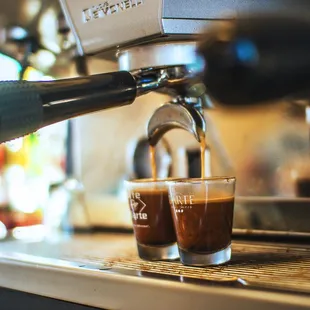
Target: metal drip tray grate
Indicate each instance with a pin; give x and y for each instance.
(264, 266)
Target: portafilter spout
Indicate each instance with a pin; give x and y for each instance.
(176, 114)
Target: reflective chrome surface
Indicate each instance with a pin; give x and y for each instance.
(157, 55)
(175, 115)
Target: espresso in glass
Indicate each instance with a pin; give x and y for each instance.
(202, 211)
(204, 226)
(152, 221)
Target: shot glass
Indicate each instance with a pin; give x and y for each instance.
(152, 220)
(202, 211)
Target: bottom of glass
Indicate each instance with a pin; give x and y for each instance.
(194, 259)
(153, 253)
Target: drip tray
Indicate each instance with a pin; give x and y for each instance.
(266, 266)
(257, 266)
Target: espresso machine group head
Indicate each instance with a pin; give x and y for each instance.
(171, 68)
(161, 45)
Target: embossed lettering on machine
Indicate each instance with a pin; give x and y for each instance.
(105, 9)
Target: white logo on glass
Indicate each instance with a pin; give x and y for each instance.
(137, 207)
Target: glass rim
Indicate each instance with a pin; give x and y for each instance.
(150, 180)
(202, 180)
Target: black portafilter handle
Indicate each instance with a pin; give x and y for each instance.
(28, 106)
(257, 59)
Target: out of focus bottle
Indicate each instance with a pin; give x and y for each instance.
(26, 189)
(6, 219)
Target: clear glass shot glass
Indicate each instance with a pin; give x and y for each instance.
(152, 220)
(202, 211)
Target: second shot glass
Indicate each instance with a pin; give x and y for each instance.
(202, 210)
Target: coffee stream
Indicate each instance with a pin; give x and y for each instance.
(203, 155)
(153, 162)
(202, 158)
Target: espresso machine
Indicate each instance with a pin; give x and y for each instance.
(159, 47)
(198, 55)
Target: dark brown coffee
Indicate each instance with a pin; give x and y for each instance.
(303, 187)
(202, 156)
(151, 217)
(203, 226)
(153, 162)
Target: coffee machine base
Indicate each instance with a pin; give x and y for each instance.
(104, 271)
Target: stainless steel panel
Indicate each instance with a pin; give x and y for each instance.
(100, 25)
(210, 9)
(184, 26)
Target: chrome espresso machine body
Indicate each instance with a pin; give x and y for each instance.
(156, 40)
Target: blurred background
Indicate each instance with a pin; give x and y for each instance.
(70, 175)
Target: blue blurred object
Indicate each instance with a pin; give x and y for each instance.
(246, 51)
